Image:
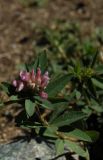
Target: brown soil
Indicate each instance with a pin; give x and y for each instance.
(18, 25)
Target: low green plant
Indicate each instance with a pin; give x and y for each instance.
(57, 106)
(64, 44)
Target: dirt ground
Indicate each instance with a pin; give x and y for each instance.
(18, 25)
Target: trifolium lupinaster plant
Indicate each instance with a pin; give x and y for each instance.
(51, 107)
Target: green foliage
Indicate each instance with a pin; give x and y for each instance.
(41, 61)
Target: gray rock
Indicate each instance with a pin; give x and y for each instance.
(32, 150)
(23, 150)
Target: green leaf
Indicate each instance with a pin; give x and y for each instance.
(58, 109)
(55, 67)
(87, 110)
(74, 147)
(79, 134)
(43, 61)
(33, 65)
(34, 125)
(29, 107)
(68, 118)
(71, 96)
(78, 94)
(57, 85)
(96, 106)
(91, 88)
(89, 48)
(97, 83)
(47, 104)
(99, 69)
(59, 144)
(94, 59)
(93, 134)
(14, 98)
(50, 132)
(44, 103)
(5, 87)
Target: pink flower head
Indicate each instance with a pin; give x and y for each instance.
(36, 81)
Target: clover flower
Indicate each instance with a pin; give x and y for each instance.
(36, 81)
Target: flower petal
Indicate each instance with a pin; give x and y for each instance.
(20, 86)
(32, 75)
(43, 95)
(38, 77)
(24, 75)
(14, 83)
(45, 80)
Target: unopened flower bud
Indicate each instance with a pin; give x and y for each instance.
(24, 75)
(14, 83)
(43, 95)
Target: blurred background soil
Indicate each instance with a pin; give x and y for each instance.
(18, 33)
